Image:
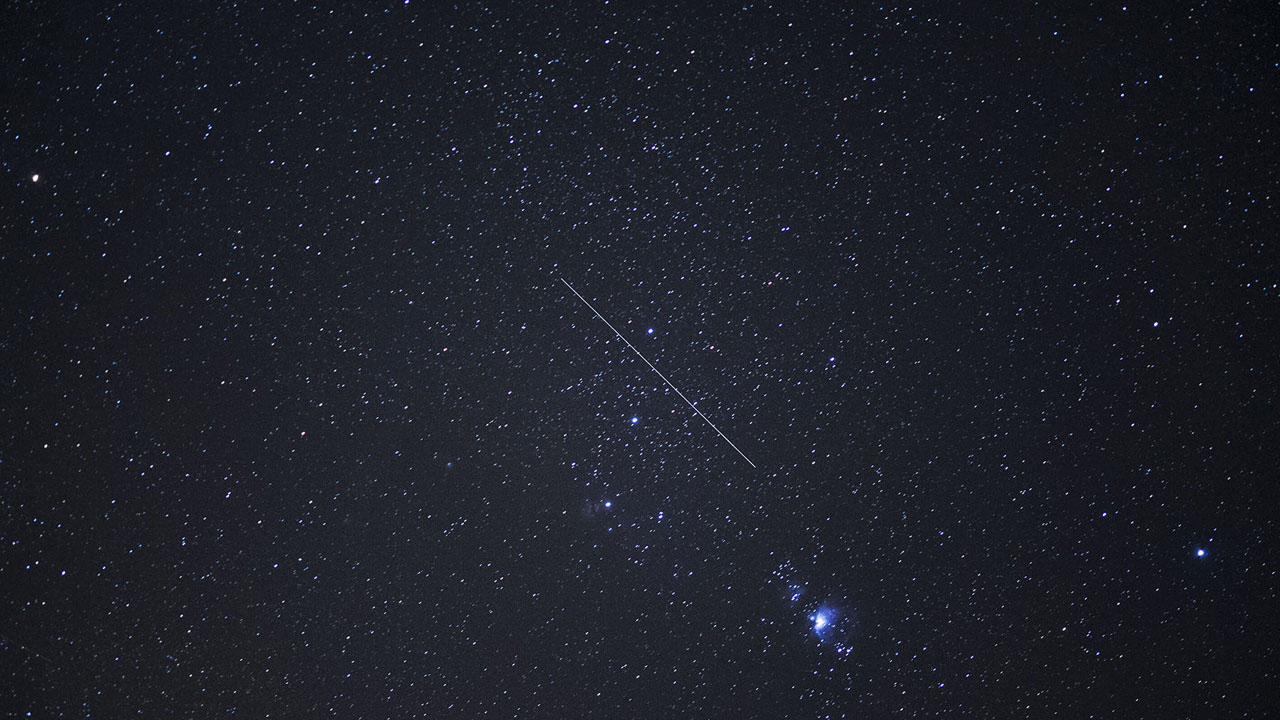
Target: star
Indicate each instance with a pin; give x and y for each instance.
(635, 419)
(1200, 552)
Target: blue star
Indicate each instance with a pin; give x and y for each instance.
(1200, 552)
(635, 419)
(650, 331)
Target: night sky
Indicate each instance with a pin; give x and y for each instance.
(301, 418)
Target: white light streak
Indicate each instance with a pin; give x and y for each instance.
(664, 377)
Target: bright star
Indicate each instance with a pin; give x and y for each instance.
(1200, 552)
(608, 504)
(650, 331)
(635, 419)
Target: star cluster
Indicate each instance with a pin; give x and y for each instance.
(299, 417)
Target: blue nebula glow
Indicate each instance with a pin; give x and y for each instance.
(834, 627)
(833, 621)
(635, 419)
(820, 620)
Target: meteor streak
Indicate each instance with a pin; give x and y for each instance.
(664, 377)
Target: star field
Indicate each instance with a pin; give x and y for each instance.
(299, 418)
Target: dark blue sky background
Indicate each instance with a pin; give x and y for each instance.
(298, 418)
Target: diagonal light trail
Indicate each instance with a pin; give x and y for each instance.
(664, 377)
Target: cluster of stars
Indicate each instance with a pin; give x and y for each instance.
(829, 621)
(261, 401)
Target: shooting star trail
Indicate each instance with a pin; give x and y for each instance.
(664, 377)
(7, 641)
